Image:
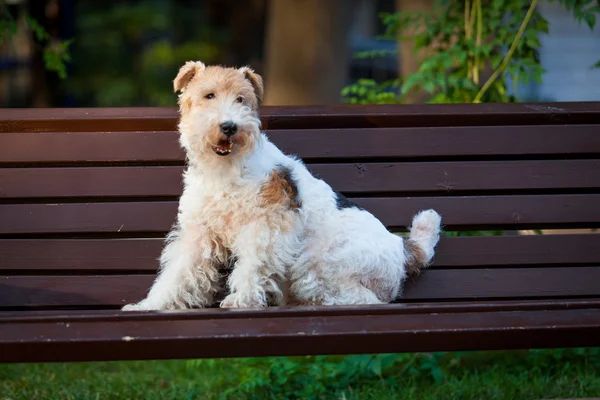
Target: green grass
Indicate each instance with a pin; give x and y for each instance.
(483, 375)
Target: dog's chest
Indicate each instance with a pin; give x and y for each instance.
(225, 213)
(224, 210)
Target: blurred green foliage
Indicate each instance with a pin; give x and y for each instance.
(55, 52)
(397, 375)
(496, 375)
(463, 41)
(127, 53)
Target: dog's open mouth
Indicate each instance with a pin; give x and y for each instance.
(224, 147)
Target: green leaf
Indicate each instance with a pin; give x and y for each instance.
(12, 28)
(8, 28)
(440, 81)
(53, 61)
(40, 33)
(371, 54)
(498, 4)
(453, 81)
(410, 82)
(590, 19)
(376, 367)
(439, 98)
(429, 86)
(542, 25)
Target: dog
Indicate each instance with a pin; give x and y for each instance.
(250, 211)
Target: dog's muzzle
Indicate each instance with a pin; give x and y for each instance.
(224, 147)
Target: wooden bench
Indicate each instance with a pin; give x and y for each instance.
(86, 196)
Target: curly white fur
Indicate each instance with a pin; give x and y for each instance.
(300, 246)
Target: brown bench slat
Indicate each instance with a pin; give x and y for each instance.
(142, 254)
(501, 251)
(80, 254)
(451, 177)
(489, 212)
(117, 290)
(306, 117)
(69, 315)
(69, 147)
(444, 177)
(109, 119)
(434, 142)
(317, 144)
(128, 338)
(90, 182)
(115, 218)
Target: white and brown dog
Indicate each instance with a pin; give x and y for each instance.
(283, 236)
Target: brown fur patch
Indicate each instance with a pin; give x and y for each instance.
(280, 189)
(415, 257)
(186, 74)
(255, 80)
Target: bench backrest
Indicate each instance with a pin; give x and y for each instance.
(86, 195)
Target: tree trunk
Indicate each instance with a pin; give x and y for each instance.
(409, 61)
(306, 51)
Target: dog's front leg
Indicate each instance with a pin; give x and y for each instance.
(188, 277)
(256, 270)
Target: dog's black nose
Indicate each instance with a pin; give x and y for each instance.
(228, 128)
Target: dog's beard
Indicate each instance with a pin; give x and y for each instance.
(237, 145)
(218, 149)
(204, 142)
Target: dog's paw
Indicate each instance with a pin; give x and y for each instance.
(236, 300)
(135, 307)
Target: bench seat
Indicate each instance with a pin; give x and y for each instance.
(87, 196)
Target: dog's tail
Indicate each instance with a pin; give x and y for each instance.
(420, 244)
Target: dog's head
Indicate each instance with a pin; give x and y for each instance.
(219, 110)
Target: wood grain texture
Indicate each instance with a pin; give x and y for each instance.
(313, 144)
(502, 251)
(80, 254)
(89, 255)
(487, 212)
(306, 117)
(115, 218)
(90, 182)
(373, 178)
(439, 142)
(465, 284)
(450, 307)
(69, 147)
(129, 339)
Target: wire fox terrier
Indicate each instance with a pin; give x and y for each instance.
(281, 235)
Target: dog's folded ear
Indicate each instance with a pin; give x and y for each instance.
(186, 73)
(255, 79)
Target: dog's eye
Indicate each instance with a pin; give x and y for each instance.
(210, 96)
(240, 99)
